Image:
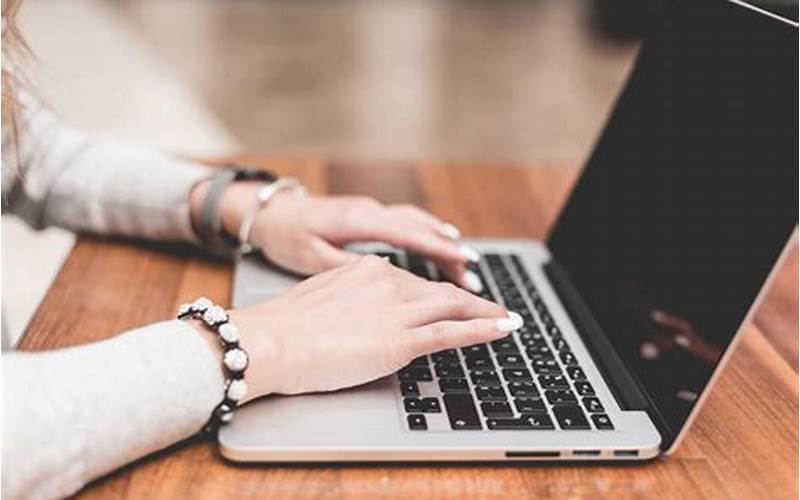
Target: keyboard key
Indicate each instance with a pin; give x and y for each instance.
(576, 373)
(536, 350)
(449, 356)
(488, 378)
(553, 331)
(602, 422)
(570, 417)
(485, 393)
(417, 422)
(540, 355)
(416, 374)
(461, 412)
(447, 371)
(511, 374)
(527, 317)
(553, 381)
(593, 405)
(453, 385)
(409, 389)
(480, 363)
(412, 405)
(420, 361)
(532, 345)
(523, 389)
(560, 345)
(389, 255)
(496, 409)
(584, 388)
(532, 339)
(560, 396)
(510, 361)
(430, 405)
(528, 422)
(529, 405)
(476, 350)
(417, 265)
(567, 358)
(546, 367)
(505, 346)
(513, 299)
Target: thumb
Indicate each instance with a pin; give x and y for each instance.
(327, 256)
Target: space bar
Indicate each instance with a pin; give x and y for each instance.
(462, 412)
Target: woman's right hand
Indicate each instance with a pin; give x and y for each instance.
(356, 323)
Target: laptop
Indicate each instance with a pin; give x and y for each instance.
(634, 303)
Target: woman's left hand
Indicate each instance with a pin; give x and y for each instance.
(307, 234)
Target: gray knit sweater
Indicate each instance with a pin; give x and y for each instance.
(74, 414)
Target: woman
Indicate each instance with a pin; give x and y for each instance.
(72, 415)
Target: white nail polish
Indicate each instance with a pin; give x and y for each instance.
(473, 282)
(511, 323)
(470, 253)
(450, 231)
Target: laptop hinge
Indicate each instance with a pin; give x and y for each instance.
(624, 386)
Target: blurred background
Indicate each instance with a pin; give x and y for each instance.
(504, 82)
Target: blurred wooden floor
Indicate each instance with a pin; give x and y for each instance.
(512, 81)
(744, 443)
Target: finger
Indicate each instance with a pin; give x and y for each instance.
(424, 217)
(402, 232)
(444, 301)
(461, 275)
(451, 334)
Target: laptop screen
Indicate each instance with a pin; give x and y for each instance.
(689, 197)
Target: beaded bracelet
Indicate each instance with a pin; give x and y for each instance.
(234, 358)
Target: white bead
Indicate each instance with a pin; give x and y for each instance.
(226, 417)
(214, 315)
(235, 360)
(229, 332)
(201, 304)
(184, 309)
(237, 389)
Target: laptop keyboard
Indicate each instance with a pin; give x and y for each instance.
(529, 380)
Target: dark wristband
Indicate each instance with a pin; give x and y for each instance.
(210, 228)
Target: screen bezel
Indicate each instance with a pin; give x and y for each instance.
(672, 437)
(731, 347)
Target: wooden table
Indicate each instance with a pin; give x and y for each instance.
(744, 443)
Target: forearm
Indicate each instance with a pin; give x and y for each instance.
(73, 415)
(98, 185)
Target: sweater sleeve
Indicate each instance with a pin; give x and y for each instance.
(72, 415)
(64, 178)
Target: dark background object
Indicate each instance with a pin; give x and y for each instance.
(632, 19)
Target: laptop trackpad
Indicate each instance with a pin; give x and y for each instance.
(255, 280)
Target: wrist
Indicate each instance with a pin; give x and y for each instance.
(262, 350)
(238, 200)
(196, 197)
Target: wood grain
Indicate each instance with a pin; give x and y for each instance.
(743, 444)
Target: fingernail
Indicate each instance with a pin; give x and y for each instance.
(470, 253)
(450, 231)
(511, 323)
(473, 282)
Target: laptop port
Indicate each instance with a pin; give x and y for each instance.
(532, 454)
(626, 453)
(586, 453)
